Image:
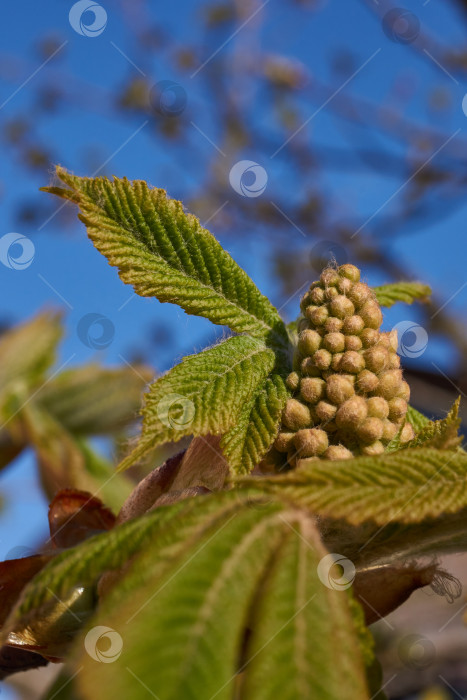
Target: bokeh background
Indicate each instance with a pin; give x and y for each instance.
(353, 117)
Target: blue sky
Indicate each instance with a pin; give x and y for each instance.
(68, 273)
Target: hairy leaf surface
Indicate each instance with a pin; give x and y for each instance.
(407, 292)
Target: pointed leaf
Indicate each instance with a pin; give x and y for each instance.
(408, 292)
(442, 434)
(164, 252)
(205, 393)
(405, 486)
(416, 419)
(257, 426)
(300, 627)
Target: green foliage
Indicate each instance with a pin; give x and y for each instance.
(442, 434)
(405, 486)
(166, 253)
(408, 292)
(416, 419)
(205, 393)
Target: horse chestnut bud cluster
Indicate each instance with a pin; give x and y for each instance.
(349, 397)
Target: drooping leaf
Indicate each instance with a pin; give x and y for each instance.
(205, 393)
(442, 434)
(405, 486)
(93, 400)
(407, 292)
(26, 352)
(67, 462)
(300, 626)
(247, 442)
(165, 252)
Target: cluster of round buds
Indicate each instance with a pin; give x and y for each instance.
(349, 397)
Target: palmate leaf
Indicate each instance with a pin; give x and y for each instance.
(205, 393)
(405, 486)
(166, 253)
(407, 292)
(93, 400)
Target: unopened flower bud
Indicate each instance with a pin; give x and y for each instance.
(359, 293)
(334, 342)
(389, 430)
(397, 409)
(376, 448)
(312, 389)
(407, 433)
(325, 411)
(353, 342)
(283, 441)
(350, 272)
(317, 295)
(308, 342)
(336, 361)
(330, 293)
(390, 383)
(394, 361)
(310, 442)
(341, 307)
(351, 413)
(317, 315)
(292, 381)
(344, 285)
(404, 391)
(305, 301)
(333, 324)
(337, 452)
(377, 406)
(339, 389)
(369, 336)
(370, 430)
(371, 314)
(376, 358)
(329, 277)
(352, 362)
(367, 381)
(308, 368)
(353, 325)
(296, 415)
(322, 359)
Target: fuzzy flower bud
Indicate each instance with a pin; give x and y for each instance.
(308, 342)
(351, 413)
(325, 411)
(311, 442)
(339, 389)
(341, 307)
(377, 407)
(334, 342)
(296, 415)
(322, 359)
(312, 389)
(352, 362)
(317, 315)
(370, 430)
(283, 441)
(293, 381)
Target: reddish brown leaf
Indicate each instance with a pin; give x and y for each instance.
(76, 515)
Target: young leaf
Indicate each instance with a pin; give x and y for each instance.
(389, 294)
(300, 626)
(405, 486)
(26, 352)
(205, 393)
(93, 400)
(442, 434)
(416, 419)
(166, 253)
(247, 442)
(183, 627)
